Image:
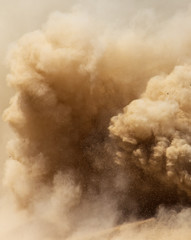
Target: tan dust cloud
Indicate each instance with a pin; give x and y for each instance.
(79, 164)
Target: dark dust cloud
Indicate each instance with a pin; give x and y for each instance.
(101, 114)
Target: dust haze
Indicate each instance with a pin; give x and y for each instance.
(99, 145)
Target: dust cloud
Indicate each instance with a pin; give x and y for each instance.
(101, 119)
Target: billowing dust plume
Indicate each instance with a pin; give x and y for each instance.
(101, 116)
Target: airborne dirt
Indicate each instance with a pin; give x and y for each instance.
(102, 121)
